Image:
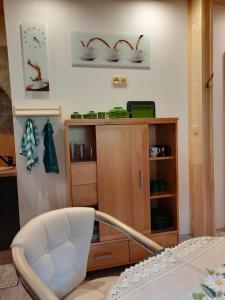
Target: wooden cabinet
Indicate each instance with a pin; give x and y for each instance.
(117, 181)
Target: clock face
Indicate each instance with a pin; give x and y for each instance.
(33, 36)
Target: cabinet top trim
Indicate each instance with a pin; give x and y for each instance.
(124, 121)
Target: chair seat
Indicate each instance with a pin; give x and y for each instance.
(95, 289)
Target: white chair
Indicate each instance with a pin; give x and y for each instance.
(50, 254)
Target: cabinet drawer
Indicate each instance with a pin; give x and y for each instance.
(137, 252)
(108, 254)
(83, 173)
(166, 239)
(84, 195)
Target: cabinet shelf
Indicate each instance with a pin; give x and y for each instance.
(162, 158)
(159, 195)
(168, 230)
(83, 162)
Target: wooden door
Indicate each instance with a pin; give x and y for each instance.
(114, 172)
(140, 178)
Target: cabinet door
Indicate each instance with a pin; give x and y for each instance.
(140, 178)
(114, 171)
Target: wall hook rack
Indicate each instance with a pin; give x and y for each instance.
(36, 112)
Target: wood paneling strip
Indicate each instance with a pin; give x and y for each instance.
(200, 117)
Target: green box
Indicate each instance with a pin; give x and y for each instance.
(141, 109)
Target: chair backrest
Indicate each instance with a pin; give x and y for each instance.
(56, 245)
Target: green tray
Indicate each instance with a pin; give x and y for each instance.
(141, 109)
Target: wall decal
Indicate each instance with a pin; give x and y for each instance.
(106, 50)
(34, 50)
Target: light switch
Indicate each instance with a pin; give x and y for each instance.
(123, 81)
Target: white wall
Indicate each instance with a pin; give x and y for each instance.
(218, 96)
(83, 89)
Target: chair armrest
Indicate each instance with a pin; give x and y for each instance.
(145, 242)
(37, 288)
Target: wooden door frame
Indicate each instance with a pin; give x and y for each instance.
(200, 72)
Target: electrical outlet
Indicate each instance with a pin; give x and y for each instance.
(119, 81)
(116, 81)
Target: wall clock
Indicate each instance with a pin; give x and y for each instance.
(34, 51)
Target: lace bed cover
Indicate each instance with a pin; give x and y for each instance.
(153, 268)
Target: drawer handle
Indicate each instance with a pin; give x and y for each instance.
(104, 256)
(141, 178)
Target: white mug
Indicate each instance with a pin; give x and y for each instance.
(37, 84)
(154, 151)
(113, 54)
(88, 53)
(137, 56)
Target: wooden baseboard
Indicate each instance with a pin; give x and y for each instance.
(220, 232)
(5, 257)
(185, 237)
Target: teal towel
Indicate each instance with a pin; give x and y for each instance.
(29, 144)
(50, 159)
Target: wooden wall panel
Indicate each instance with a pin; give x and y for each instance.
(220, 2)
(1, 7)
(200, 117)
(7, 146)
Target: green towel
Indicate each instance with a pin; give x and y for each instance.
(50, 159)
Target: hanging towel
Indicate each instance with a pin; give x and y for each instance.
(29, 144)
(50, 159)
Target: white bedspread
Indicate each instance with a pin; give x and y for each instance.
(174, 274)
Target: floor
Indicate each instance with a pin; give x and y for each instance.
(14, 293)
(221, 232)
(19, 293)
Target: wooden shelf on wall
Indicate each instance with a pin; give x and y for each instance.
(37, 112)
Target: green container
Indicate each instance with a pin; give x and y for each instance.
(76, 115)
(118, 112)
(141, 109)
(101, 115)
(90, 115)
